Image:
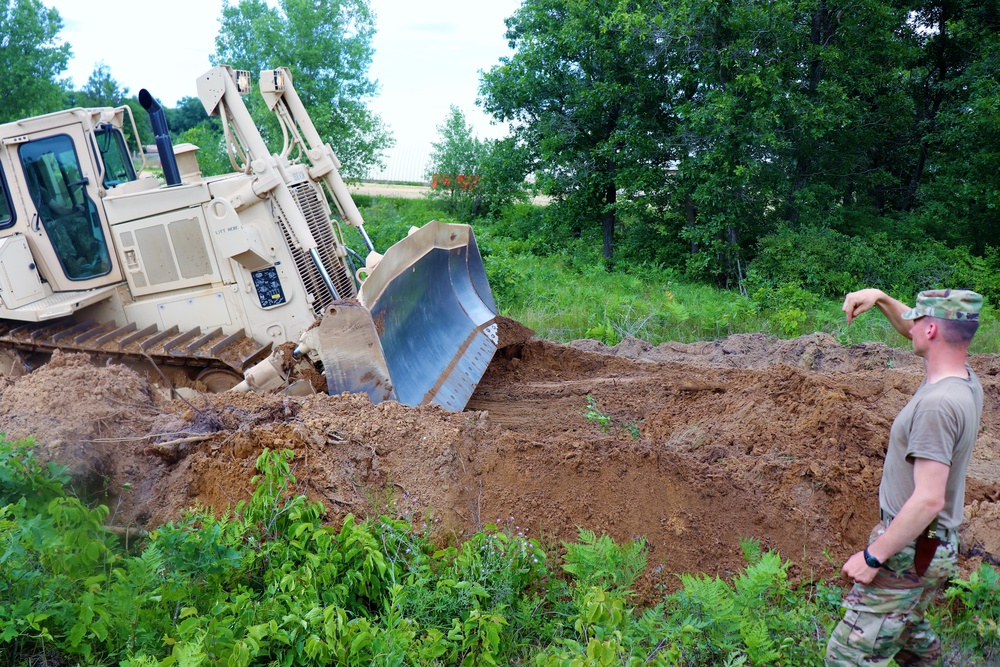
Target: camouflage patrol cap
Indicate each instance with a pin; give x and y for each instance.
(947, 304)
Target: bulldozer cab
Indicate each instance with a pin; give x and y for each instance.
(62, 182)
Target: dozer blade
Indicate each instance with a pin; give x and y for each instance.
(434, 316)
(351, 353)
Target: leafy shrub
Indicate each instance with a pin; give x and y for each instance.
(603, 629)
(502, 185)
(816, 259)
(975, 612)
(55, 563)
(828, 263)
(790, 304)
(505, 275)
(213, 159)
(723, 623)
(22, 477)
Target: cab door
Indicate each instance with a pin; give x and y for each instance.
(67, 229)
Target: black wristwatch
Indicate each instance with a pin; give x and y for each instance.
(871, 560)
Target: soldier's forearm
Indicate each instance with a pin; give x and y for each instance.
(902, 531)
(893, 309)
(928, 499)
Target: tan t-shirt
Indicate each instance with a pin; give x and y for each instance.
(939, 423)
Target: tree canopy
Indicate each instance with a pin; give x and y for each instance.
(188, 113)
(711, 126)
(102, 89)
(31, 58)
(456, 162)
(583, 91)
(327, 46)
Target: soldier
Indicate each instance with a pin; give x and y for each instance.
(913, 550)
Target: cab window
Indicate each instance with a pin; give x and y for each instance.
(58, 190)
(118, 167)
(6, 205)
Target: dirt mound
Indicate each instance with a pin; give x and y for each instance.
(817, 352)
(77, 413)
(692, 446)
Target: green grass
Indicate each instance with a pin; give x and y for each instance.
(387, 219)
(565, 294)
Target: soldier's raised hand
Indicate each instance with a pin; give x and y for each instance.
(858, 302)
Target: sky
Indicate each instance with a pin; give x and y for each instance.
(428, 55)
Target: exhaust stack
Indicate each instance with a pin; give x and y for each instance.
(163, 144)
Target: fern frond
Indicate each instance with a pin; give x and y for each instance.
(600, 561)
(735, 660)
(751, 549)
(761, 581)
(713, 597)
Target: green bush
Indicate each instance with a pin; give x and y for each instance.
(816, 259)
(723, 623)
(975, 613)
(57, 561)
(830, 264)
(502, 185)
(272, 584)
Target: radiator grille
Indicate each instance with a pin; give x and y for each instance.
(307, 199)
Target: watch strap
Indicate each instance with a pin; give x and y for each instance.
(871, 560)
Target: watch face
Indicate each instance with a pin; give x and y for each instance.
(871, 560)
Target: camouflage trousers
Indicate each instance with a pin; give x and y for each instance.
(885, 619)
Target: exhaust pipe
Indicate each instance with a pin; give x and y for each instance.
(163, 144)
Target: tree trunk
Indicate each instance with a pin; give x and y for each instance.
(820, 35)
(610, 197)
(691, 218)
(943, 70)
(732, 259)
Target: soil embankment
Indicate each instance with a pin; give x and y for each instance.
(705, 443)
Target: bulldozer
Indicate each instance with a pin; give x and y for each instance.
(242, 281)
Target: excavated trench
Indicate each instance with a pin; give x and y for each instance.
(690, 445)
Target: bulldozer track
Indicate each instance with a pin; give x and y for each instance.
(193, 347)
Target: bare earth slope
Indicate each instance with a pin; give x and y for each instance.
(745, 437)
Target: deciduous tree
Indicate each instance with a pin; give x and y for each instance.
(188, 113)
(953, 191)
(479, 178)
(584, 91)
(31, 59)
(327, 46)
(864, 117)
(101, 89)
(456, 163)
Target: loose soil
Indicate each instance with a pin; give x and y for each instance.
(704, 443)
